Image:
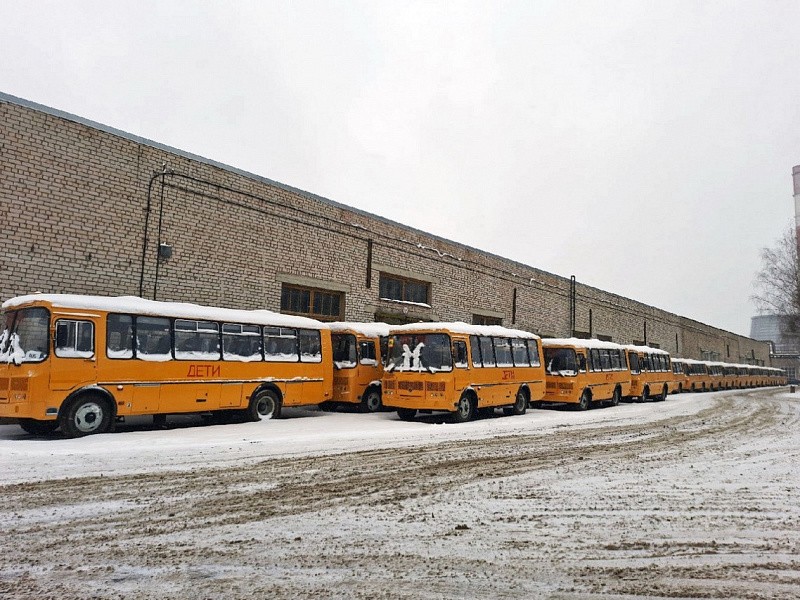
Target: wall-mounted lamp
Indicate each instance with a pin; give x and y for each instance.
(164, 251)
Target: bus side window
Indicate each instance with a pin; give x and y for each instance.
(366, 353)
(119, 336)
(615, 361)
(280, 345)
(475, 347)
(460, 354)
(310, 346)
(533, 353)
(605, 360)
(520, 351)
(503, 353)
(487, 352)
(153, 338)
(594, 359)
(74, 339)
(634, 362)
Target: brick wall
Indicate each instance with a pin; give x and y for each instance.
(79, 198)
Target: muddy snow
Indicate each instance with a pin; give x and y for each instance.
(695, 497)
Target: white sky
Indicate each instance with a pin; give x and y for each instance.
(645, 147)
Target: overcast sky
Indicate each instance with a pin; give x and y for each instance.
(645, 148)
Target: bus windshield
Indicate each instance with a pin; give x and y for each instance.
(561, 361)
(420, 352)
(24, 337)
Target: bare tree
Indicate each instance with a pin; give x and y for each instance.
(777, 284)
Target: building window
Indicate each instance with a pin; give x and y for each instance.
(484, 320)
(393, 287)
(309, 302)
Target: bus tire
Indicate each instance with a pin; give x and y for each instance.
(37, 427)
(680, 388)
(465, 409)
(86, 414)
(406, 414)
(371, 400)
(520, 405)
(645, 394)
(615, 397)
(664, 393)
(585, 401)
(264, 405)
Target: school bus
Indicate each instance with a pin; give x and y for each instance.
(359, 350)
(716, 373)
(583, 372)
(680, 375)
(697, 374)
(730, 376)
(651, 373)
(81, 363)
(462, 369)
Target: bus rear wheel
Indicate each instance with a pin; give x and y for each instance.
(465, 409)
(615, 397)
(264, 405)
(585, 401)
(371, 401)
(85, 415)
(37, 427)
(645, 394)
(664, 393)
(520, 404)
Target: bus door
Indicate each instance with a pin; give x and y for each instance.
(73, 362)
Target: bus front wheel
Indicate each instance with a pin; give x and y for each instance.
(585, 401)
(264, 405)
(465, 409)
(37, 427)
(85, 415)
(371, 402)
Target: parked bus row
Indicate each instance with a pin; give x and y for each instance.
(83, 363)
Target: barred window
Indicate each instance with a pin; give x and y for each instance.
(324, 305)
(393, 287)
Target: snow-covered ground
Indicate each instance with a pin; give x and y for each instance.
(693, 497)
(189, 443)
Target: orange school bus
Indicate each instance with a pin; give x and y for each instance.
(651, 373)
(461, 369)
(680, 376)
(584, 372)
(83, 362)
(358, 355)
(698, 375)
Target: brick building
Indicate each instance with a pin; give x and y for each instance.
(92, 210)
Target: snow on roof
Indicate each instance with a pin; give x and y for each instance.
(465, 329)
(580, 343)
(646, 349)
(365, 329)
(181, 310)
